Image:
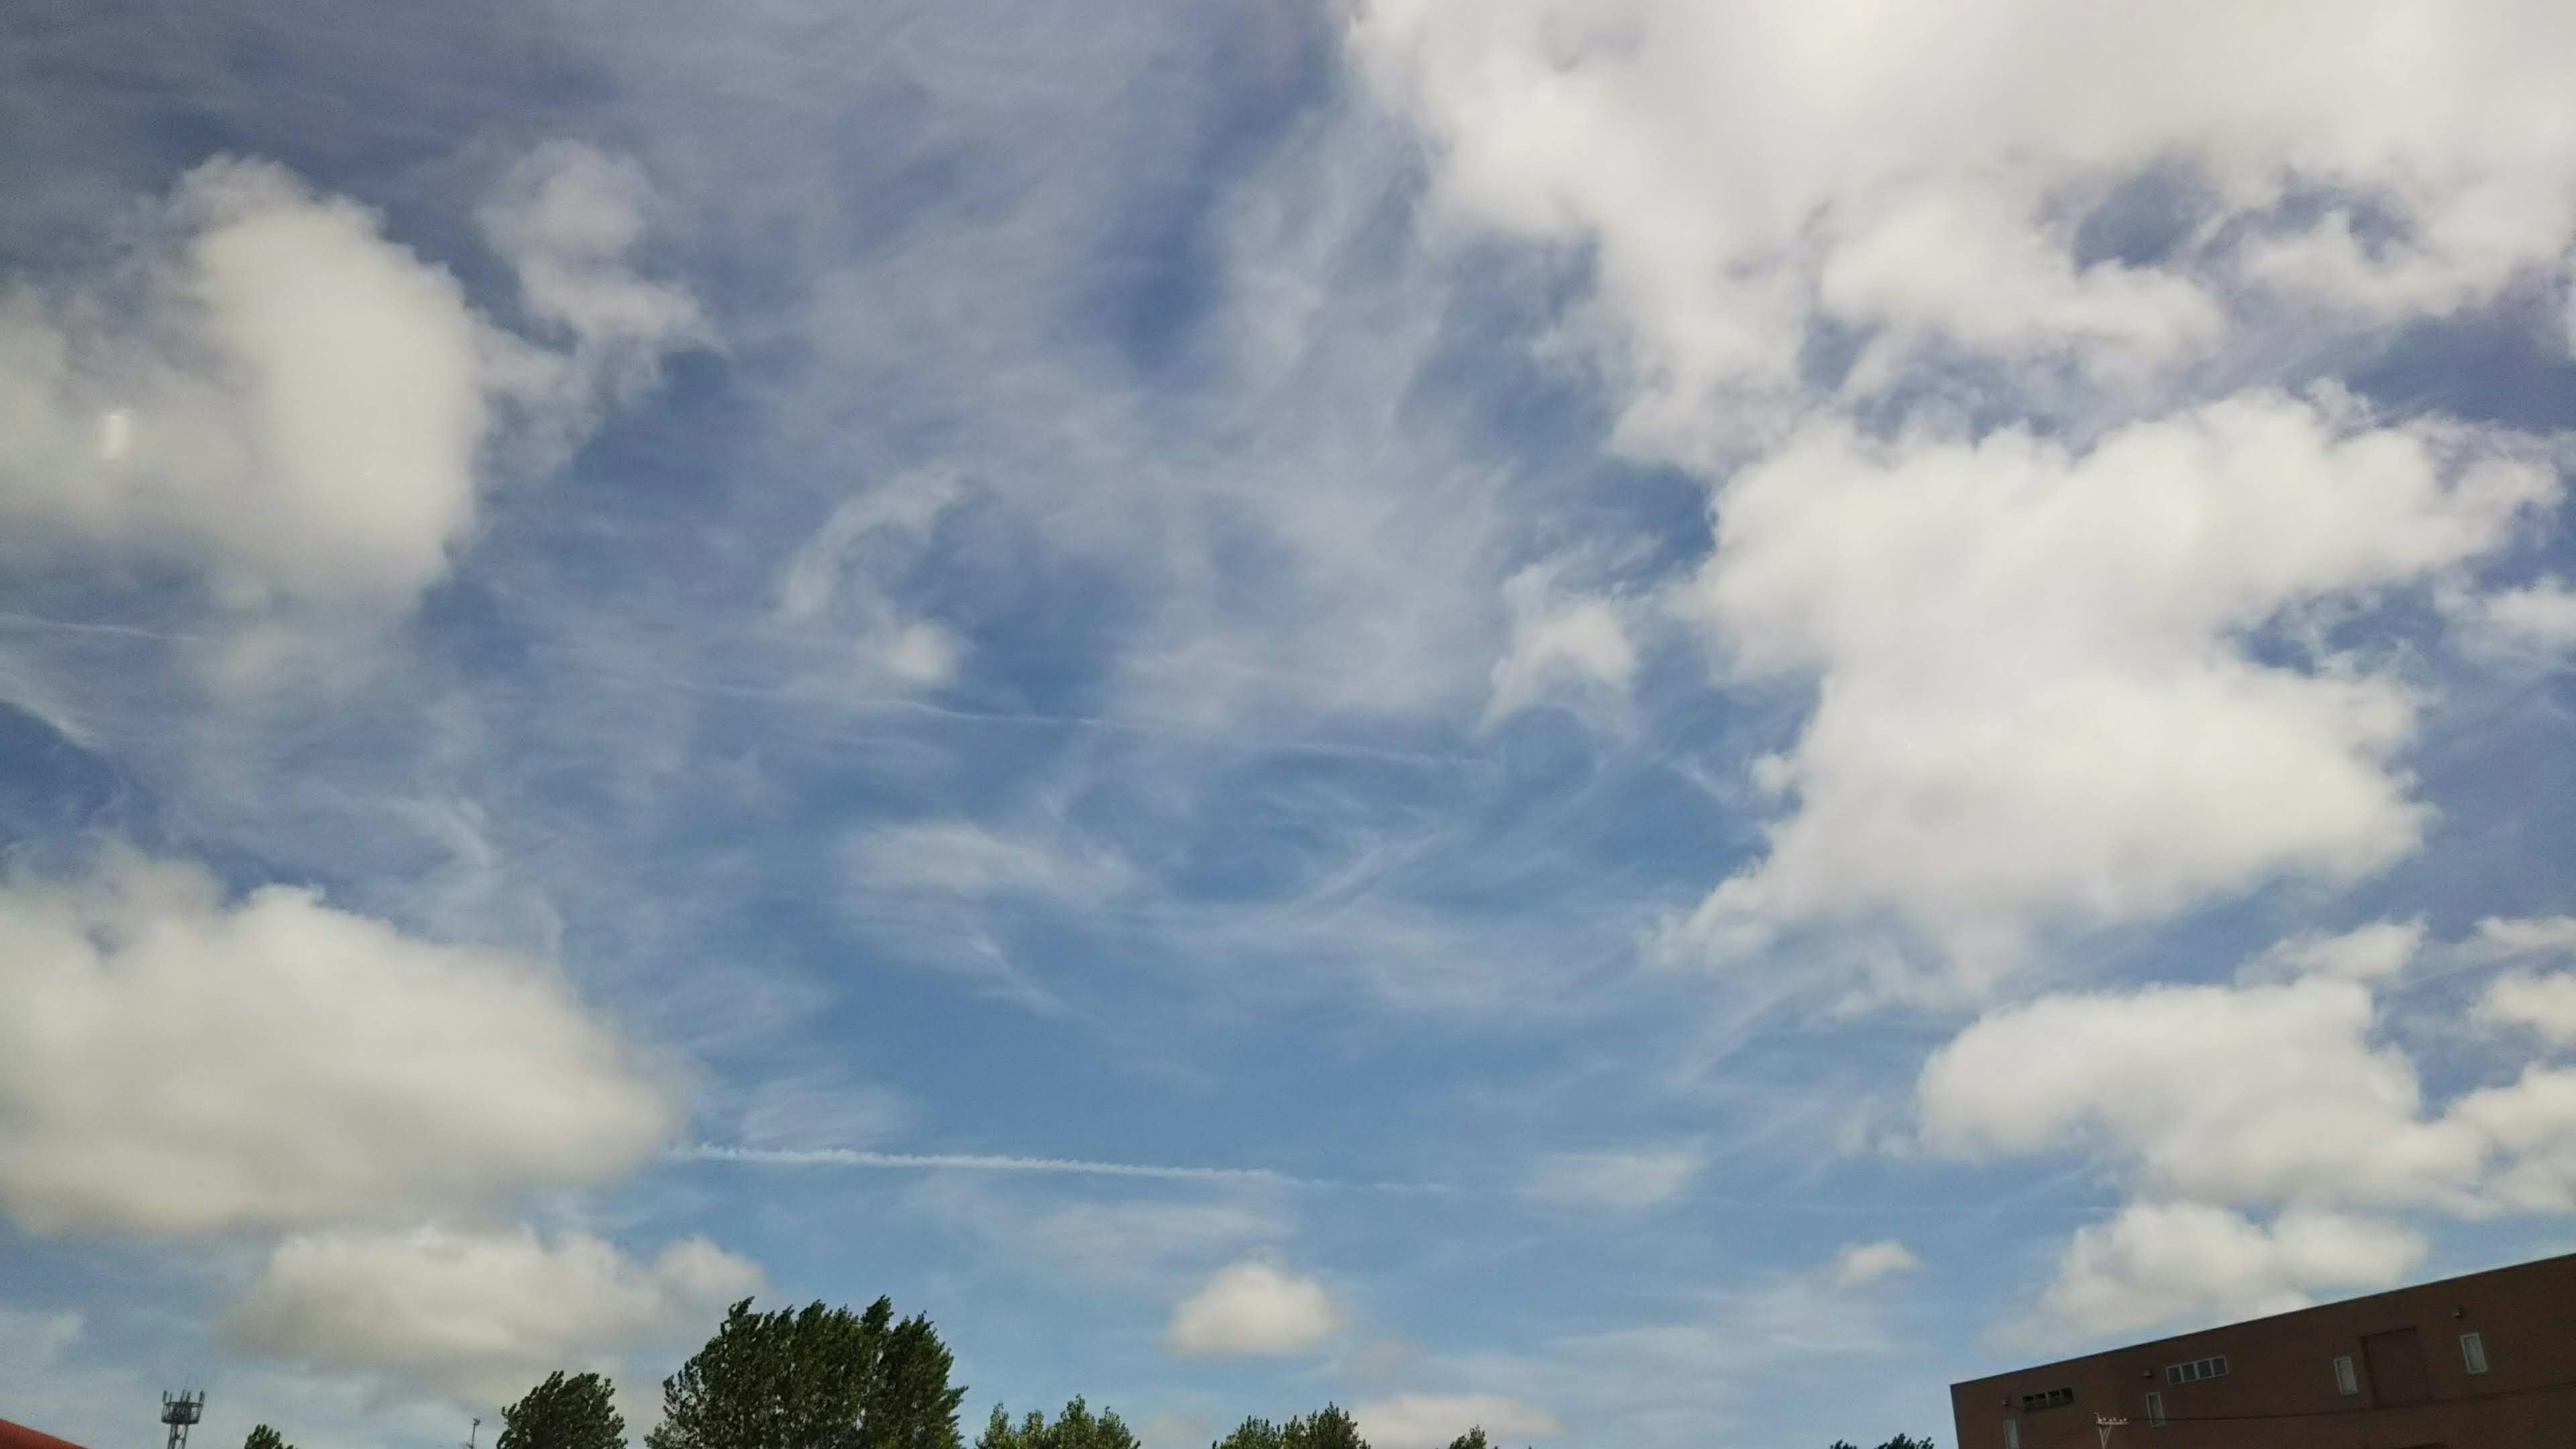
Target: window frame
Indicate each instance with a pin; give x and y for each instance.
(2473, 1352)
(2155, 1409)
(2198, 1370)
(2347, 1375)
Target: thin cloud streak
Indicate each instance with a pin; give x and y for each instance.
(981, 1162)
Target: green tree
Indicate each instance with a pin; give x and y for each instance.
(264, 1437)
(1903, 1442)
(577, 1412)
(1328, 1428)
(813, 1378)
(1252, 1434)
(1076, 1428)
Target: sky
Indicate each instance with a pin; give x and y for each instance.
(1651, 723)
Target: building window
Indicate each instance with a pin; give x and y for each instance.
(2473, 1353)
(2193, 1372)
(2155, 1410)
(2012, 1434)
(2052, 1399)
(2346, 1382)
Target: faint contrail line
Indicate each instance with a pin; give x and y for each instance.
(986, 1162)
(981, 1162)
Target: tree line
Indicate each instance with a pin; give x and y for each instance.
(828, 1378)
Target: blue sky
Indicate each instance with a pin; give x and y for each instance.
(1654, 724)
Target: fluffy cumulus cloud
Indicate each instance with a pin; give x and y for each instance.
(272, 388)
(2544, 1004)
(1926, 173)
(2538, 619)
(1862, 1264)
(2033, 696)
(268, 391)
(2159, 1263)
(287, 1061)
(2244, 1095)
(1836, 250)
(1428, 1421)
(2262, 1093)
(478, 1314)
(1253, 1310)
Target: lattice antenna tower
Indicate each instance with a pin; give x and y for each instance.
(181, 1411)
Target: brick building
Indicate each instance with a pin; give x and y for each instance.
(2486, 1361)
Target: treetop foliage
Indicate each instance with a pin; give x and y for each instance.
(1076, 1428)
(575, 1412)
(814, 1378)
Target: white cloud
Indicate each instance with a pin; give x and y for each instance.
(2034, 701)
(2243, 1095)
(843, 579)
(2266, 1093)
(2537, 619)
(299, 413)
(961, 858)
(2533, 1124)
(568, 218)
(2500, 938)
(2377, 952)
(1429, 1421)
(480, 1315)
(282, 1061)
(2157, 1264)
(1628, 1180)
(1926, 175)
(2543, 1004)
(1557, 642)
(277, 390)
(1253, 1310)
(1864, 1263)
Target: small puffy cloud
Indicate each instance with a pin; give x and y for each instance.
(2376, 952)
(478, 1314)
(1253, 1310)
(568, 218)
(1864, 1263)
(281, 394)
(1557, 642)
(2501, 938)
(285, 1060)
(1428, 1421)
(2158, 1264)
(1632, 1179)
(2034, 700)
(2544, 1005)
(2539, 619)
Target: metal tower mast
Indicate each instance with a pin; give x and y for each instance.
(180, 1411)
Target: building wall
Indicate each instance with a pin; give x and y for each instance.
(2280, 1390)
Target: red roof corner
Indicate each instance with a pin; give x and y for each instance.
(19, 1436)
